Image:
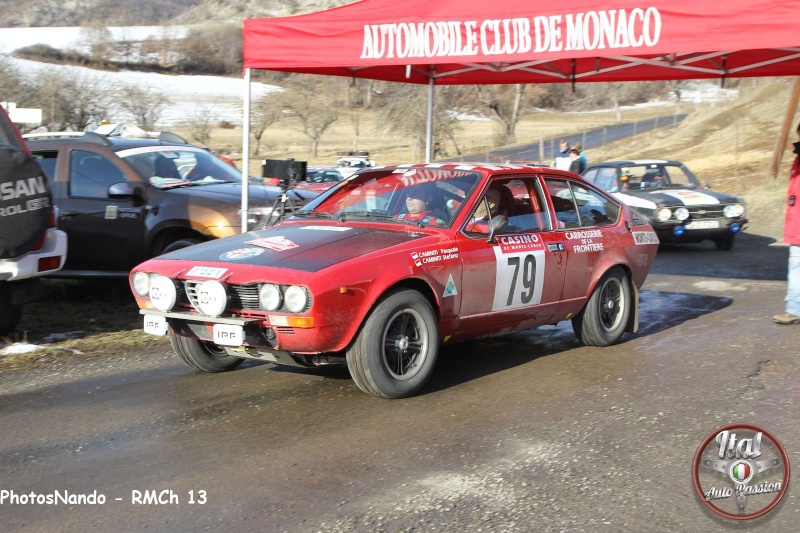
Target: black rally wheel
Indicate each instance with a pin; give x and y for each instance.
(602, 321)
(202, 355)
(25, 202)
(395, 352)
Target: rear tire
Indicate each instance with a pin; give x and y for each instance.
(602, 321)
(202, 355)
(9, 313)
(395, 351)
(724, 244)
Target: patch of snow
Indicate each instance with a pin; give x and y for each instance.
(19, 347)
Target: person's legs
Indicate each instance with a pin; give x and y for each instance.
(792, 315)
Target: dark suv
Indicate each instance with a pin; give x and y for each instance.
(30, 244)
(122, 201)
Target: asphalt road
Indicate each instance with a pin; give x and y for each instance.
(523, 432)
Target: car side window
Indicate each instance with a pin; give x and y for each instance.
(47, 160)
(91, 174)
(594, 209)
(518, 199)
(563, 203)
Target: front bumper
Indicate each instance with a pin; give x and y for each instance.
(673, 231)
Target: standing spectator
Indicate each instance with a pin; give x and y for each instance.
(562, 160)
(579, 148)
(791, 236)
(576, 165)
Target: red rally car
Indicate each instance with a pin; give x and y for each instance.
(388, 265)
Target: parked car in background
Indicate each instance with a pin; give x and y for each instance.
(30, 244)
(680, 208)
(351, 162)
(320, 179)
(124, 200)
(361, 276)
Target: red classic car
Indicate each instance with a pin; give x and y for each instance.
(383, 268)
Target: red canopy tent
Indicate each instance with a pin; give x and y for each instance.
(456, 42)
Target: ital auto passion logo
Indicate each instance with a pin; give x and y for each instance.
(740, 471)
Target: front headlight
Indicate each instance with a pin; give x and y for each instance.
(163, 293)
(681, 213)
(140, 283)
(295, 299)
(733, 210)
(257, 217)
(269, 296)
(663, 214)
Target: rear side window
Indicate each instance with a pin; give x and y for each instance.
(578, 206)
(47, 160)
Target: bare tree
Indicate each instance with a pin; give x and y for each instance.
(312, 101)
(99, 41)
(72, 100)
(200, 124)
(504, 103)
(264, 112)
(144, 104)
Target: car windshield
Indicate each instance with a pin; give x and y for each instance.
(645, 176)
(421, 196)
(324, 176)
(167, 167)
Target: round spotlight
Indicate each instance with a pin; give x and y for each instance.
(296, 299)
(678, 231)
(162, 292)
(212, 299)
(735, 228)
(141, 283)
(733, 210)
(663, 214)
(269, 296)
(681, 213)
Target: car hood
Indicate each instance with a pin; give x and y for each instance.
(307, 247)
(674, 198)
(232, 192)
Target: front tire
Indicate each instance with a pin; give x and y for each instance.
(602, 321)
(202, 355)
(395, 351)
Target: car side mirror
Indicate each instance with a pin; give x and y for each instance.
(497, 225)
(122, 191)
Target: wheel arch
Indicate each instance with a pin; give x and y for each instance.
(170, 234)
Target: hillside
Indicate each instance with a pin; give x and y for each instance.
(47, 13)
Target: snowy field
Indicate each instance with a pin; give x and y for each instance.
(191, 95)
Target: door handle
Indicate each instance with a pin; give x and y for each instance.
(556, 247)
(68, 214)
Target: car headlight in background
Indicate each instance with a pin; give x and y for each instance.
(295, 299)
(141, 284)
(257, 217)
(663, 214)
(733, 210)
(269, 297)
(212, 298)
(163, 293)
(681, 213)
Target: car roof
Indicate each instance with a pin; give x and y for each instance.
(631, 162)
(114, 143)
(480, 167)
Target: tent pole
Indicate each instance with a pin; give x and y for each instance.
(246, 150)
(783, 136)
(429, 128)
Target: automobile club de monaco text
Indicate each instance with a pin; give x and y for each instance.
(742, 449)
(592, 30)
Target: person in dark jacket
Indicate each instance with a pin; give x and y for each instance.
(576, 163)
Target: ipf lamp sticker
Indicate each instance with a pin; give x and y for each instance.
(740, 471)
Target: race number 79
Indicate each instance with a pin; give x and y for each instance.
(519, 280)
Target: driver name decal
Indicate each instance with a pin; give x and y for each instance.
(434, 256)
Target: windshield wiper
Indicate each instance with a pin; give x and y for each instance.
(368, 214)
(321, 214)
